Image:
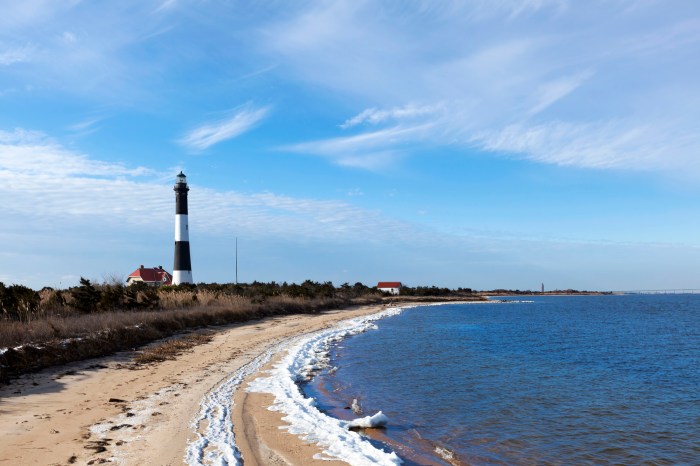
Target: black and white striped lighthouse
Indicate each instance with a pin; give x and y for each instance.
(182, 270)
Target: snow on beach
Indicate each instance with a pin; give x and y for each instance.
(304, 358)
(215, 443)
(132, 424)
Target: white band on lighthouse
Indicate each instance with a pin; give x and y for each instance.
(182, 232)
(182, 276)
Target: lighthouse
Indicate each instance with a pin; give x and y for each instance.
(182, 270)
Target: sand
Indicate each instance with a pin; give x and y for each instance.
(109, 410)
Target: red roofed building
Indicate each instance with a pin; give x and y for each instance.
(155, 276)
(389, 287)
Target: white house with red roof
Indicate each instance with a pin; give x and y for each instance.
(155, 276)
(389, 287)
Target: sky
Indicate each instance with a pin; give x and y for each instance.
(477, 143)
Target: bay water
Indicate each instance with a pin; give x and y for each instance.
(544, 380)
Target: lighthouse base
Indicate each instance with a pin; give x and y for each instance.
(182, 276)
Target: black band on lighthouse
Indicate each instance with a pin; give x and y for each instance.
(181, 199)
(182, 256)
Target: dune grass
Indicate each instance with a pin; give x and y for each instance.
(59, 339)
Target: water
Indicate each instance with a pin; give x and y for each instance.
(555, 381)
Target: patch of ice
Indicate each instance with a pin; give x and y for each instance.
(216, 444)
(355, 407)
(368, 422)
(131, 424)
(444, 453)
(305, 357)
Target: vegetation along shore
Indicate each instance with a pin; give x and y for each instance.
(39, 329)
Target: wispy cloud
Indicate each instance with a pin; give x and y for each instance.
(75, 188)
(550, 92)
(502, 77)
(612, 145)
(33, 154)
(239, 121)
(86, 126)
(664, 40)
(16, 55)
(166, 5)
(81, 48)
(374, 150)
(375, 116)
(69, 37)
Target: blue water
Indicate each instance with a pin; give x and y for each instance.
(602, 380)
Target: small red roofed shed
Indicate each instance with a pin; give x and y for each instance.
(389, 287)
(155, 276)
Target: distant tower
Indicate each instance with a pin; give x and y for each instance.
(543, 288)
(182, 270)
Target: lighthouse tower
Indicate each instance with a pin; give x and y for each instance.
(182, 270)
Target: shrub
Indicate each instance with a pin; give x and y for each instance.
(85, 297)
(19, 303)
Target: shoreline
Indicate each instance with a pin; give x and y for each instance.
(106, 409)
(328, 437)
(277, 417)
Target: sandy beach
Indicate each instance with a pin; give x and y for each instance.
(110, 410)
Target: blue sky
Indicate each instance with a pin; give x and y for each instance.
(477, 143)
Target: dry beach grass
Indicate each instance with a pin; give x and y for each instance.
(59, 339)
(41, 329)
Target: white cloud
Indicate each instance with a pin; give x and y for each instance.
(49, 184)
(16, 55)
(69, 37)
(375, 116)
(31, 13)
(504, 76)
(239, 121)
(522, 7)
(611, 145)
(663, 40)
(86, 126)
(32, 154)
(166, 5)
(374, 150)
(550, 92)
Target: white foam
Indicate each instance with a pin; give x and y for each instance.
(305, 357)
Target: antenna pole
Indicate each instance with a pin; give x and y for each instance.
(236, 260)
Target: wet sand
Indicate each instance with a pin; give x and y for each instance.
(109, 410)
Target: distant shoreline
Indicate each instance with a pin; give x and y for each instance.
(546, 293)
